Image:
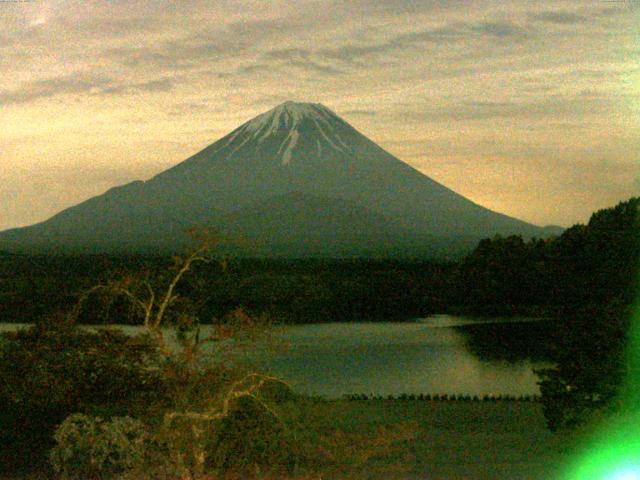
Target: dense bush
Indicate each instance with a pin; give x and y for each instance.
(252, 438)
(503, 275)
(598, 270)
(89, 447)
(54, 369)
(588, 264)
(590, 366)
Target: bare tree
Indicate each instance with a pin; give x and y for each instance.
(151, 303)
(189, 366)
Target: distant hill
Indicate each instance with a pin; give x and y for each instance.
(297, 180)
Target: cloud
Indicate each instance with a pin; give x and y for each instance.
(259, 39)
(397, 8)
(314, 67)
(143, 57)
(77, 85)
(304, 65)
(279, 61)
(512, 72)
(186, 108)
(287, 53)
(110, 26)
(561, 17)
(404, 41)
(184, 54)
(624, 7)
(50, 87)
(360, 113)
(499, 29)
(162, 85)
(455, 32)
(352, 53)
(252, 68)
(301, 59)
(443, 34)
(196, 49)
(254, 30)
(556, 106)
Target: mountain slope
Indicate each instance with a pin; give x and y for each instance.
(295, 147)
(322, 226)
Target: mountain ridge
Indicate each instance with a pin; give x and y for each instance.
(294, 147)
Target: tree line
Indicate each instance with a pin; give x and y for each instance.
(590, 264)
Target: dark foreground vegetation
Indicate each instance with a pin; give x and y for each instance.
(99, 404)
(90, 410)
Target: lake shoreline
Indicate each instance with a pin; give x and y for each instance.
(438, 355)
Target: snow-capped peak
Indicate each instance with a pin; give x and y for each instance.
(289, 122)
(288, 115)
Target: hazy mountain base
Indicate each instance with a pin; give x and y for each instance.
(286, 227)
(239, 244)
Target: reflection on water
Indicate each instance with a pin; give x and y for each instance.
(391, 358)
(430, 356)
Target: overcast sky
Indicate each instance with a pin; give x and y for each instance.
(531, 108)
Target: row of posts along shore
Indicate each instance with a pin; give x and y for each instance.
(443, 397)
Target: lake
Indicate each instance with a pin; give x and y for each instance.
(429, 356)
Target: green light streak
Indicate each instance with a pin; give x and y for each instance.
(613, 450)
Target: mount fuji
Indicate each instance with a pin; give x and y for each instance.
(294, 181)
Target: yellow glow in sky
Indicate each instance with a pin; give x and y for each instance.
(528, 108)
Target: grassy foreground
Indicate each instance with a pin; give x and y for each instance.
(454, 440)
(434, 440)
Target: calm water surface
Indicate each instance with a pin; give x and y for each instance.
(424, 356)
(428, 356)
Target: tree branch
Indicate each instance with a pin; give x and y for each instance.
(232, 394)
